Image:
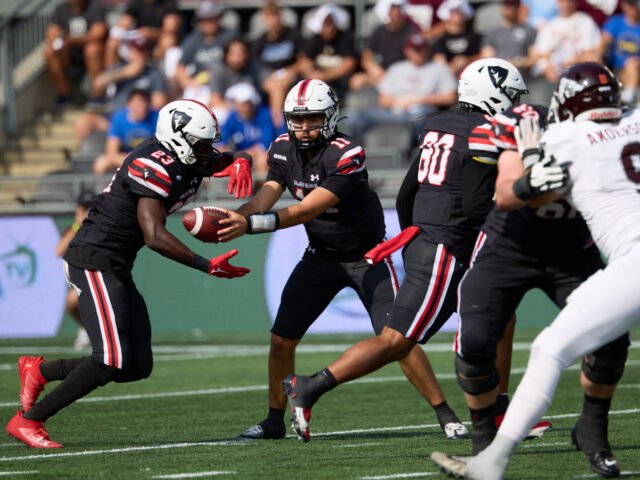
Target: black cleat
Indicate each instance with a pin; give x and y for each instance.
(300, 414)
(263, 431)
(602, 462)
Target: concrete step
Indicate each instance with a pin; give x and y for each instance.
(48, 142)
(36, 169)
(54, 130)
(35, 156)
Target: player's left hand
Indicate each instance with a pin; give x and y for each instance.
(221, 268)
(544, 176)
(239, 173)
(385, 249)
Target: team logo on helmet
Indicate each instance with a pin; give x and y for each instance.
(498, 75)
(179, 120)
(568, 88)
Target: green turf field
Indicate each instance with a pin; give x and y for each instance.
(180, 423)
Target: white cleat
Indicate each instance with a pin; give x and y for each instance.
(468, 468)
(455, 431)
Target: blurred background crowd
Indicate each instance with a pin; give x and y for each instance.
(390, 61)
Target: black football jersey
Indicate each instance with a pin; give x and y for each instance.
(356, 224)
(110, 237)
(456, 176)
(553, 230)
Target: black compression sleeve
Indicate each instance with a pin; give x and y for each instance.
(407, 195)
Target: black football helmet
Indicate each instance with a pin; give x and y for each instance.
(586, 91)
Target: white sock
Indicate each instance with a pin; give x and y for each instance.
(628, 95)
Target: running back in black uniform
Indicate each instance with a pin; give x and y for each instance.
(447, 192)
(548, 248)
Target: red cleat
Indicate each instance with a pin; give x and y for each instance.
(31, 381)
(30, 432)
(536, 431)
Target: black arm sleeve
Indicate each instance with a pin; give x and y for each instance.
(478, 188)
(407, 195)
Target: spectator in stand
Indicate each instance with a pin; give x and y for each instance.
(460, 44)
(201, 50)
(621, 47)
(512, 41)
(569, 38)
(129, 128)
(330, 54)
(75, 37)
(385, 44)
(118, 81)
(71, 305)
(249, 126)
(540, 12)
(238, 66)
(408, 91)
(158, 21)
(279, 49)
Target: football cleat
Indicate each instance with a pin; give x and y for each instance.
(455, 431)
(31, 381)
(536, 431)
(30, 432)
(451, 465)
(263, 431)
(300, 415)
(602, 462)
(479, 467)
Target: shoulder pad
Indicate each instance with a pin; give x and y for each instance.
(149, 175)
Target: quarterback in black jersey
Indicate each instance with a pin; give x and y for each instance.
(521, 247)
(343, 218)
(443, 201)
(157, 178)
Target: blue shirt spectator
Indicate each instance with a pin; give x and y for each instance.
(132, 132)
(625, 40)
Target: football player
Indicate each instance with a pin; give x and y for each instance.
(593, 143)
(443, 200)
(157, 178)
(343, 217)
(548, 247)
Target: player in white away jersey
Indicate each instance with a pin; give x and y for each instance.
(598, 147)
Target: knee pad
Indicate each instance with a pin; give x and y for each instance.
(605, 366)
(476, 377)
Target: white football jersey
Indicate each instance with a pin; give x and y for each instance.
(603, 162)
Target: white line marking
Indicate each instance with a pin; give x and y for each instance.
(195, 475)
(358, 445)
(543, 445)
(595, 475)
(28, 472)
(401, 475)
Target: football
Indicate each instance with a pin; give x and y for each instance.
(203, 223)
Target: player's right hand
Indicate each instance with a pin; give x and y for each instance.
(221, 268)
(544, 176)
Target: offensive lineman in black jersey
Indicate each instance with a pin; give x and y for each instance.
(156, 179)
(446, 194)
(325, 170)
(518, 249)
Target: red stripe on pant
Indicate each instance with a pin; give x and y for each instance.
(105, 318)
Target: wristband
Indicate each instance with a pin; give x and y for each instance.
(263, 222)
(523, 190)
(531, 156)
(75, 226)
(200, 263)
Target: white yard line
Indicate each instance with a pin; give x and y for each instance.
(26, 472)
(194, 475)
(401, 475)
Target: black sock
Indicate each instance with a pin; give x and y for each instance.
(445, 414)
(502, 403)
(484, 428)
(595, 408)
(80, 381)
(59, 369)
(275, 416)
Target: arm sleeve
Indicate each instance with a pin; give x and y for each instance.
(407, 195)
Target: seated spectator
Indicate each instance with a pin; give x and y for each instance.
(460, 44)
(409, 90)
(118, 82)
(279, 49)
(330, 55)
(129, 127)
(158, 21)
(201, 50)
(513, 40)
(385, 44)
(567, 39)
(621, 46)
(75, 37)
(249, 126)
(540, 12)
(238, 66)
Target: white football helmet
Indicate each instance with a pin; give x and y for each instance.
(189, 129)
(491, 84)
(311, 97)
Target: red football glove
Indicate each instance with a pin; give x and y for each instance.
(239, 173)
(385, 249)
(221, 268)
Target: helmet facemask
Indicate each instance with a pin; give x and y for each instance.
(204, 156)
(326, 131)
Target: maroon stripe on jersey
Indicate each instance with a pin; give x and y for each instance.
(444, 266)
(302, 90)
(105, 318)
